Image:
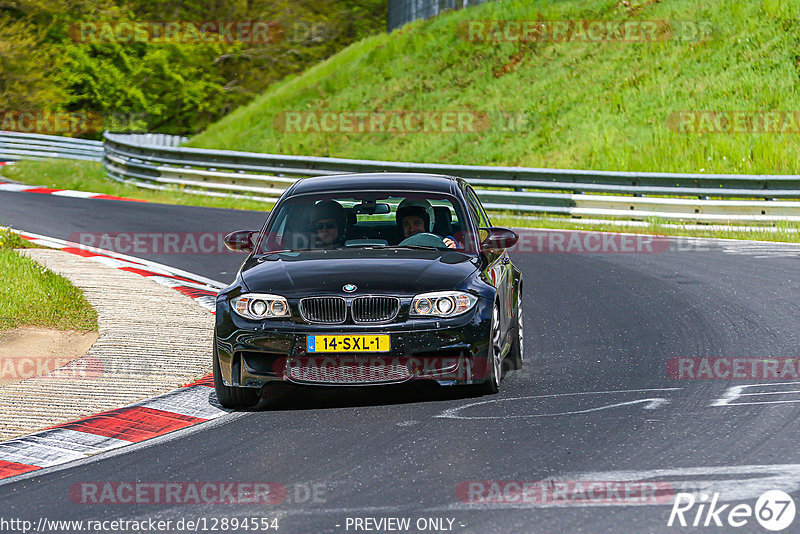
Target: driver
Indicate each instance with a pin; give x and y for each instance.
(414, 217)
(328, 220)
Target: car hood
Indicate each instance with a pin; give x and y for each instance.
(384, 271)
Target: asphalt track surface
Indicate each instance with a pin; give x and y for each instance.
(600, 328)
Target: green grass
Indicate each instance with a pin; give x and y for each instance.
(31, 295)
(598, 106)
(91, 176)
(10, 240)
(602, 106)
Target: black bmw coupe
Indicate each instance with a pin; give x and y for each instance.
(370, 279)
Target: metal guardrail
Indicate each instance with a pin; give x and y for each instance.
(638, 195)
(156, 161)
(129, 159)
(15, 146)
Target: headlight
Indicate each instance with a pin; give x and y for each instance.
(258, 306)
(442, 304)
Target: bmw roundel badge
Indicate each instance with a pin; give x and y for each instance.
(349, 287)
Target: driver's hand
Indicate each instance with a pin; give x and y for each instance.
(450, 243)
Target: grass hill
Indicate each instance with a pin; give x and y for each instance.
(605, 104)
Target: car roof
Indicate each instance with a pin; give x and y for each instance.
(384, 181)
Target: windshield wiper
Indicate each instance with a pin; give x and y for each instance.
(417, 247)
(311, 249)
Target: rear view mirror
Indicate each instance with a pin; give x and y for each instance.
(240, 240)
(498, 238)
(371, 207)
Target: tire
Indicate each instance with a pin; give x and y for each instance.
(232, 397)
(492, 384)
(518, 344)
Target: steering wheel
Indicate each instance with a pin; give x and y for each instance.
(424, 239)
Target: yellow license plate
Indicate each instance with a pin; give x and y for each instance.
(352, 343)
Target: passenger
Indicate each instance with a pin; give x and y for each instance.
(328, 219)
(414, 217)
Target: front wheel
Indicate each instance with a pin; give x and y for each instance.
(495, 351)
(232, 397)
(518, 344)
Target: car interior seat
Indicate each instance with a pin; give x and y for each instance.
(350, 224)
(442, 221)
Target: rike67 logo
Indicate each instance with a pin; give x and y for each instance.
(774, 510)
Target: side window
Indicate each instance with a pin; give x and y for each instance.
(477, 210)
(273, 239)
(474, 212)
(280, 229)
(485, 216)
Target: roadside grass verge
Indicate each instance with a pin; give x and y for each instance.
(31, 295)
(90, 176)
(572, 105)
(603, 105)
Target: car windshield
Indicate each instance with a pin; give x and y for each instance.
(369, 220)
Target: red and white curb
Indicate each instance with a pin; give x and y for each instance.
(24, 188)
(105, 431)
(201, 289)
(183, 407)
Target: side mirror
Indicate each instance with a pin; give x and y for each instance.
(240, 241)
(498, 238)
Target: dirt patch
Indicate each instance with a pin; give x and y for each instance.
(29, 352)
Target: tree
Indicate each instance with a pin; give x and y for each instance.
(170, 87)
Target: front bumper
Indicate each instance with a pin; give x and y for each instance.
(447, 351)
